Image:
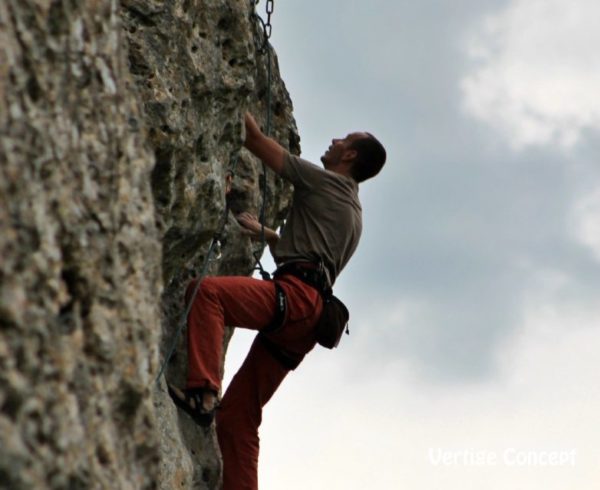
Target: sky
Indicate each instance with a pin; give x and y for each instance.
(475, 320)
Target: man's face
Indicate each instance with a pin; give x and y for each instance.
(340, 150)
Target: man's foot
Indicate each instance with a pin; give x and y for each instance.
(198, 403)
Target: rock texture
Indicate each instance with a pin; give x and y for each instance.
(118, 123)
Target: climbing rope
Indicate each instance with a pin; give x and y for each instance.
(215, 244)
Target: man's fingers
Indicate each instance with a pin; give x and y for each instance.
(244, 221)
(250, 225)
(248, 220)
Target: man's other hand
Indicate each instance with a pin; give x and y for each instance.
(251, 227)
(250, 224)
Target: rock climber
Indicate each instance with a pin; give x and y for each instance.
(320, 235)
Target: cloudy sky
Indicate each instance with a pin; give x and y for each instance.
(473, 356)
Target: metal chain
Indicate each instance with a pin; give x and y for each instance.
(268, 27)
(263, 48)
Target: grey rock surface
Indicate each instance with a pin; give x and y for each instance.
(118, 124)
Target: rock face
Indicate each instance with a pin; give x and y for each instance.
(118, 123)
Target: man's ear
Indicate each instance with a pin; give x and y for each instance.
(349, 155)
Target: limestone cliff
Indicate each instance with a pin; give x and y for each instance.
(118, 122)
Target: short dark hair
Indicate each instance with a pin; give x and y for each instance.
(370, 157)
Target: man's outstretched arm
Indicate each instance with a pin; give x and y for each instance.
(263, 147)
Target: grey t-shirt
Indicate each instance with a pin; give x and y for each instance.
(325, 220)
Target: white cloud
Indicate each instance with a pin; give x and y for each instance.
(537, 71)
(326, 429)
(587, 222)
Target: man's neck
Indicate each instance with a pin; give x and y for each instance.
(341, 168)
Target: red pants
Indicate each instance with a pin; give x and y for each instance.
(248, 303)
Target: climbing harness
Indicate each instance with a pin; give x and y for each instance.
(335, 315)
(215, 244)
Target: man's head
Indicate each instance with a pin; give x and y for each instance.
(359, 155)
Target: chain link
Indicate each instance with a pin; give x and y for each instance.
(268, 27)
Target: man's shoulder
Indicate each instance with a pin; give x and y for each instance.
(295, 166)
(301, 172)
(297, 160)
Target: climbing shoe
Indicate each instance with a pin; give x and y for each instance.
(190, 400)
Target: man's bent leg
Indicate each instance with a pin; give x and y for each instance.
(220, 301)
(240, 415)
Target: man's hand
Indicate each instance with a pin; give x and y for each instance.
(263, 147)
(250, 224)
(252, 228)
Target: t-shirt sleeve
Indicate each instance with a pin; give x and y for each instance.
(301, 173)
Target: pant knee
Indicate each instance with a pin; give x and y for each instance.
(189, 290)
(207, 288)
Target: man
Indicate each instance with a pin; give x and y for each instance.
(320, 235)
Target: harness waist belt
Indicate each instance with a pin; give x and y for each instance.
(308, 272)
